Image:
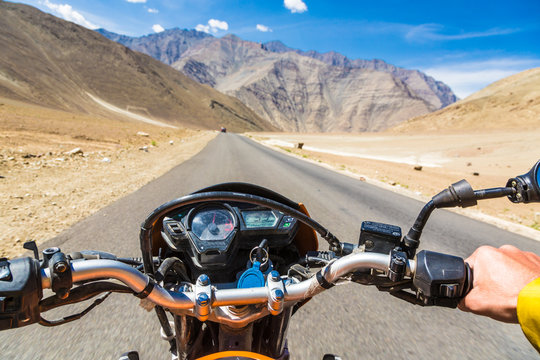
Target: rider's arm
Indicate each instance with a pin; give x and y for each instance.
(528, 312)
(506, 287)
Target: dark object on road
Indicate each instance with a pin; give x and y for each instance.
(223, 130)
(299, 146)
(418, 168)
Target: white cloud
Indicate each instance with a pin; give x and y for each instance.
(263, 28)
(153, 11)
(213, 26)
(296, 6)
(67, 13)
(468, 77)
(203, 28)
(157, 28)
(136, 1)
(216, 25)
(425, 32)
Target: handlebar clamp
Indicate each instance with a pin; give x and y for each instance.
(61, 277)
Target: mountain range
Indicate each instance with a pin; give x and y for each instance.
(296, 90)
(55, 63)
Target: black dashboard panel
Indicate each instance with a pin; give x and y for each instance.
(212, 233)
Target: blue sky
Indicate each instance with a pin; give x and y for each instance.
(466, 44)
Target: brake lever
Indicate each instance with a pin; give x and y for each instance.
(412, 299)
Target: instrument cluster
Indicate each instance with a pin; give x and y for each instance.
(212, 233)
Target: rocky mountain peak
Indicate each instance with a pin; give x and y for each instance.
(299, 90)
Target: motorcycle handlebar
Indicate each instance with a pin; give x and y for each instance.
(435, 279)
(138, 282)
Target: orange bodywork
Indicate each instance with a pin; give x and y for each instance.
(306, 238)
(237, 355)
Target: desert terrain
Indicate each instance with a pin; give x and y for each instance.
(486, 138)
(423, 165)
(57, 167)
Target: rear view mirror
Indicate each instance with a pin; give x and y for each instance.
(527, 186)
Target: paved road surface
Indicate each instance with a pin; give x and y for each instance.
(352, 321)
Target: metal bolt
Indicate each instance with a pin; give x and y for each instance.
(278, 295)
(203, 299)
(275, 275)
(518, 196)
(514, 183)
(50, 251)
(60, 267)
(204, 280)
(369, 244)
(399, 260)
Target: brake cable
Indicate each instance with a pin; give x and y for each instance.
(74, 317)
(80, 293)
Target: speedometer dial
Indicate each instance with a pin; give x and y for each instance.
(212, 224)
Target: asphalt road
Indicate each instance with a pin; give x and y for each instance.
(353, 321)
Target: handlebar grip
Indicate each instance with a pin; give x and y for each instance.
(441, 279)
(20, 292)
(469, 280)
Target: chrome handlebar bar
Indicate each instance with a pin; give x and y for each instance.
(204, 297)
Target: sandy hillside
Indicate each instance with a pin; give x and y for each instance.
(55, 63)
(512, 103)
(485, 160)
(45, 189)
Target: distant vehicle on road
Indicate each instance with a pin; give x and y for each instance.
(223, 129)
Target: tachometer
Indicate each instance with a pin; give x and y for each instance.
(212, 223)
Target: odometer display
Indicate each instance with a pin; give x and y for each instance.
(259, 219)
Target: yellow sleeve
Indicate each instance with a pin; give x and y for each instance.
(528, 312)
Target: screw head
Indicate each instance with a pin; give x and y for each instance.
(204, 280)
(60, 267)
(278, 294)
(399, 260)
(51, 250)
(203, 299)
(275, 275)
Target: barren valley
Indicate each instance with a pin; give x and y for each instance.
(56, 168)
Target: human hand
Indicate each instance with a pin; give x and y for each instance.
(498, 277)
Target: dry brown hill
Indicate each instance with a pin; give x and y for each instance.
(510, 103)
(52, 62)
